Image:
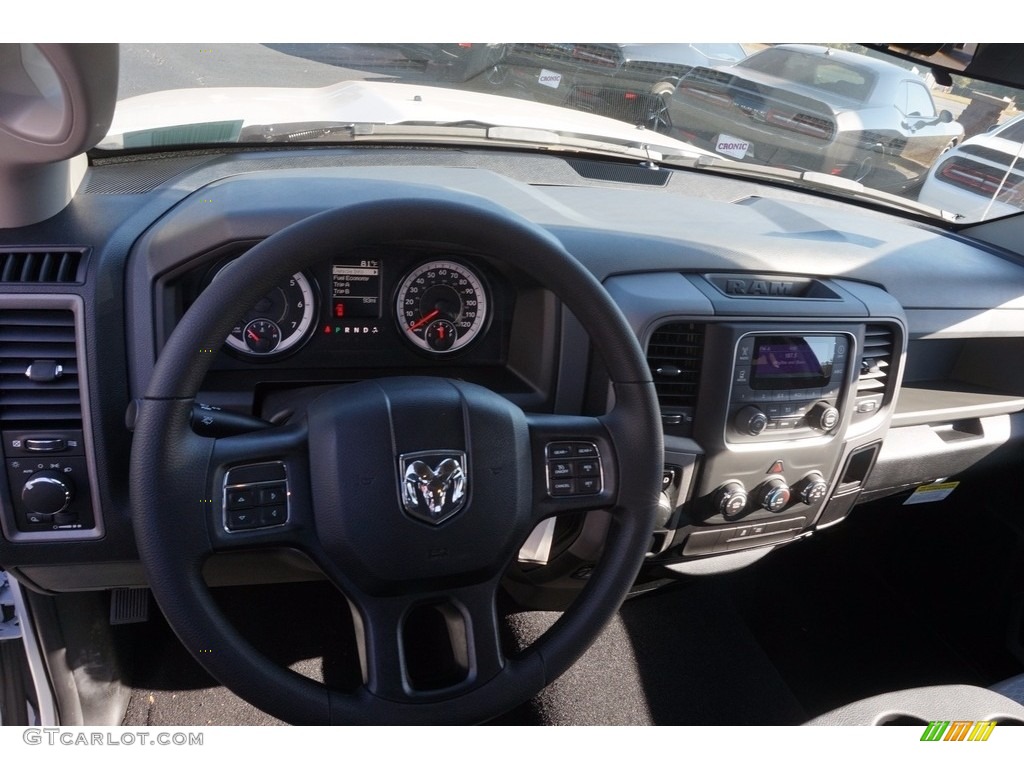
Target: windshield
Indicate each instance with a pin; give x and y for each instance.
(841, 118)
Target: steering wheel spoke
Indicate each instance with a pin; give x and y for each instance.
(574, 464)
(259, 490)
(424, 646)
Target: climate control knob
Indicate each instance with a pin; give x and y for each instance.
(750, 420)
(47, 493)
(773, 495)
(823, 416)
(812, 489)
(730, 499)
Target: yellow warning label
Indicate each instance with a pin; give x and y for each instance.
(932, 492)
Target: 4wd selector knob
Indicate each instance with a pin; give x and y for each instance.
(823, 416)
(773, 494)
(730, 499)
(750, 420)
(47, 493)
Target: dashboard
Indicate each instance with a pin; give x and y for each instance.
(802, 362)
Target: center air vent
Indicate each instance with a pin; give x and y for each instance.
(674, 354)
(38, 369)
(59, 265)
(875, 364)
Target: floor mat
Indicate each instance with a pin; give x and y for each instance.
(679, 657)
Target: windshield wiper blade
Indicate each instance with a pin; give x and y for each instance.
(646, 148)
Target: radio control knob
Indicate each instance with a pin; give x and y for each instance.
(823, 416)
(730, 499)
(773, 495)
(750, 420)
(812, 489)
(47, 493)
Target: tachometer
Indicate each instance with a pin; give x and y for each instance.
(279, 322)
(441, 306)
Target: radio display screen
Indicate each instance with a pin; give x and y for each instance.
(792, 362)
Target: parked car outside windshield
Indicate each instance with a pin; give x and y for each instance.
(982, 178)
(817, 109)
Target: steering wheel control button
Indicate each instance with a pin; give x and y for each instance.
(272, 494)
(241, 498)
(560, 451)
(242, 519)
(573, 478)
(259, 502)
(562, 487)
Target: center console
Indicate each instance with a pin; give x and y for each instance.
(773, 406)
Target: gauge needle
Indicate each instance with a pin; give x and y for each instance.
(425, 319)
(252, 334)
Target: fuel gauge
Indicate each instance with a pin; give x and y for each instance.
(261, 336)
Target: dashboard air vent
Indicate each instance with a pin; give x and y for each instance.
(674, 354)
(875, 364)
(38, 369)
(59, 265)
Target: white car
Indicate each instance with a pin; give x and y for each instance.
(981, 179)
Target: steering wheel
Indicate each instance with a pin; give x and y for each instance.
(358, 470)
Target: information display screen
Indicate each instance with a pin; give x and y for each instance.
(792, 362)
(356, 290)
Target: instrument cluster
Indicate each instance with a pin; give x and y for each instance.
(436, 305)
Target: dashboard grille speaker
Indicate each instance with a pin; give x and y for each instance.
(674, 354)
(38, 369)
(59, 265)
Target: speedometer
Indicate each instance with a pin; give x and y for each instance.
(441, 306)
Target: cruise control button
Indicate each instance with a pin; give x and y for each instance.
(589, 485)
(561, 469)
(588, 468)
(562, 487)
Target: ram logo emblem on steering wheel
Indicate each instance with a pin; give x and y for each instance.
(434, 484)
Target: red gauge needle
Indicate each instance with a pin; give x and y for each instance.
(252, 334)
(425, 319)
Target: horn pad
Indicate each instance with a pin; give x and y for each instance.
(456, 502)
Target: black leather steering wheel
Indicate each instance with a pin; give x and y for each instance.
(341, 465)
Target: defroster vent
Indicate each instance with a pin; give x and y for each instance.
(674, 354)
(38, 369)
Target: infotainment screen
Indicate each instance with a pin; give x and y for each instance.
(792, 362)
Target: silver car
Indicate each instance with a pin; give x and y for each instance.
(818, 109)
